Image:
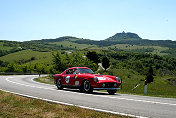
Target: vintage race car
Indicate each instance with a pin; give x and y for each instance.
(84, 79)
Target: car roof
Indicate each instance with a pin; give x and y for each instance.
(79, 67)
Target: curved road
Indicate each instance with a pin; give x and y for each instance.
(123, 104)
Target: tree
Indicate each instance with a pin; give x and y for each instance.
(150, 70)
(92, 56)
(149, 76)
(58, 64)
(105, 62)
(138, 66)
(64, 61)
(40, 69)
(10, 68)
(67, 61)
(1, 62)
(24, 68)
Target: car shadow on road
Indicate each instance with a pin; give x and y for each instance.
(93, 93)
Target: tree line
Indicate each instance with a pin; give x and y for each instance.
(139, 62)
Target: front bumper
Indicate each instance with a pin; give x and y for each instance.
(106, 88)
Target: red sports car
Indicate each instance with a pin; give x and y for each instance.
(85, 79)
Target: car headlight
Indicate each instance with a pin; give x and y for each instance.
(96, 79)
(118, 79)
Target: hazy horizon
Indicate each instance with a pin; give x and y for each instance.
(23, 20)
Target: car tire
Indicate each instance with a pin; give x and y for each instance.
(59, 84)
(111, 92)
(86, 87)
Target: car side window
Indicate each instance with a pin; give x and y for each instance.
(76, 71)
(67, 72)
(70, 71)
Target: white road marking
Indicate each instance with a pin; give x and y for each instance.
(120, 98)
(27, 85)
(64, 103)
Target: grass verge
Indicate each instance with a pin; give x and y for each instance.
(45, 80)
(13, 106)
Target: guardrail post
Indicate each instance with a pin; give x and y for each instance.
(145, 87)
(121, 84)
(39, 77)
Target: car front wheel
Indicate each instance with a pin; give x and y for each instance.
(86, 87)
(59, 85)
(112, 92)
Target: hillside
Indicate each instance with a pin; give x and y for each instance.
(28, 56)
(7, 47)
(60, 39)
(119, 42)
(123, 35)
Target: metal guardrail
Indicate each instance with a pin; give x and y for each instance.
(11, 73)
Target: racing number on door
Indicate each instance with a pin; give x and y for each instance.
(67, 79)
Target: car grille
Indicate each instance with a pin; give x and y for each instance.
(109, 85)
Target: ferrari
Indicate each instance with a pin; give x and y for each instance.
(83, 78)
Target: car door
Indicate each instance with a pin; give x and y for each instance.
(69, 77)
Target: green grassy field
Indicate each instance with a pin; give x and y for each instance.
(14, 106)
(161, 87)
(42, 57)
(46, 57)
(74, 45)
(127, 47)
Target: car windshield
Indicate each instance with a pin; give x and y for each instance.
(81, 70)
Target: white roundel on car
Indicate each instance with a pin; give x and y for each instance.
(77, 83)
(101, 78)
(67, 79)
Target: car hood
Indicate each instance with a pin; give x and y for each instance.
(106, 78)
(103, 78)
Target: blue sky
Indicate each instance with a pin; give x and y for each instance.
(22, 20)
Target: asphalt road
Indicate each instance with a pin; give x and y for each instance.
(124, 104)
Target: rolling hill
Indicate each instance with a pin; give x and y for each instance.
(123, 35)
(119, 42)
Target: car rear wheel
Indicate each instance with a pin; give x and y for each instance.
(112, 92)
(59, 84)
(86, 87)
